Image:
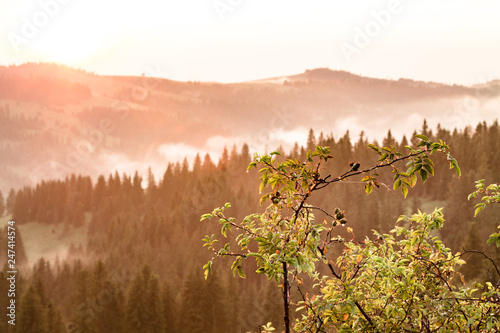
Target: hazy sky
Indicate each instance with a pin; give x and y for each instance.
(237, 40)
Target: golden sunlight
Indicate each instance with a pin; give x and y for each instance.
(68, 48)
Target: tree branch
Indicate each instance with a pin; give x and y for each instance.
(485, 255)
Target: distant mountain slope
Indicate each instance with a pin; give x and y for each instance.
(56, 120)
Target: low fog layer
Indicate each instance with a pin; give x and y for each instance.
(76, 122)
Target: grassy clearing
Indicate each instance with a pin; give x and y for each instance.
(48, 241)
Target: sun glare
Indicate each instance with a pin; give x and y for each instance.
(66, 49)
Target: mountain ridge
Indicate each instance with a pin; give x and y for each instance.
(55, 120)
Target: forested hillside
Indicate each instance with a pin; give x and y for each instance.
(140, 268)
(82, 123)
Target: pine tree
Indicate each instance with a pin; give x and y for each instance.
(389, 140)
(169, 306)
(224, 159)
(153, 306)
(138, 317)
(311, 140)
(197, 164)
(84, 313)
(2, 204)
(108, 299)
(10, 201)
(245, 156)
(473, 270)
(54, 320)
(31, 313)
(208, 165)
(192, 311)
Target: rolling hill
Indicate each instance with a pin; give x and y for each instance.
(56, 120)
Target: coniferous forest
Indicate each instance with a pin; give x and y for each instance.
(139, 268)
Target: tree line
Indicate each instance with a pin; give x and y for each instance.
(146, 240)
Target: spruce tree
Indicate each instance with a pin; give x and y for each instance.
(10, 201)
(2, 205)
(169, 307)
(54, 320)
(31, 313)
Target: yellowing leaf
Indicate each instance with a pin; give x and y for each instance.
(359, 258)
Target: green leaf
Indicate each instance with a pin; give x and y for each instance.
(262, 185)
(423, 137)
(377, 149)
(429, 168)
(208, 269)
(260, 270)
(397, 184)
(494, 239)
(252, 165)
(413, 179)
(478, 209)
(404, 189)
(275, 153)
(383, 157)
(435, 145)
(423, 174)
(240, 272)
(454, 165)
(422, 143)
(205, 216)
